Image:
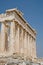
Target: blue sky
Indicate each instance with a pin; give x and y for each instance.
(33, 13)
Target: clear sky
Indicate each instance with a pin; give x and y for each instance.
(33, 13)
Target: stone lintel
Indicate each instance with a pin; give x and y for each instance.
(7, 18)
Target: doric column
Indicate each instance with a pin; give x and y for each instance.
(17, 39)
(12, 37)
(31, 47)
(6, 39)
(21, 42)
(22, 48)
(3, 37)
(28, 46)
(25, 44)
(34, 48)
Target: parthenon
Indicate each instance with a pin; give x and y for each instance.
(17, 37)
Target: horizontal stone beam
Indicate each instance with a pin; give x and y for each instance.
(8, 18)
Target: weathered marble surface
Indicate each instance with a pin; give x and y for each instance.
(12, 61)
(17, 37)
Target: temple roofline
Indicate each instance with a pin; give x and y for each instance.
(21, 16)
